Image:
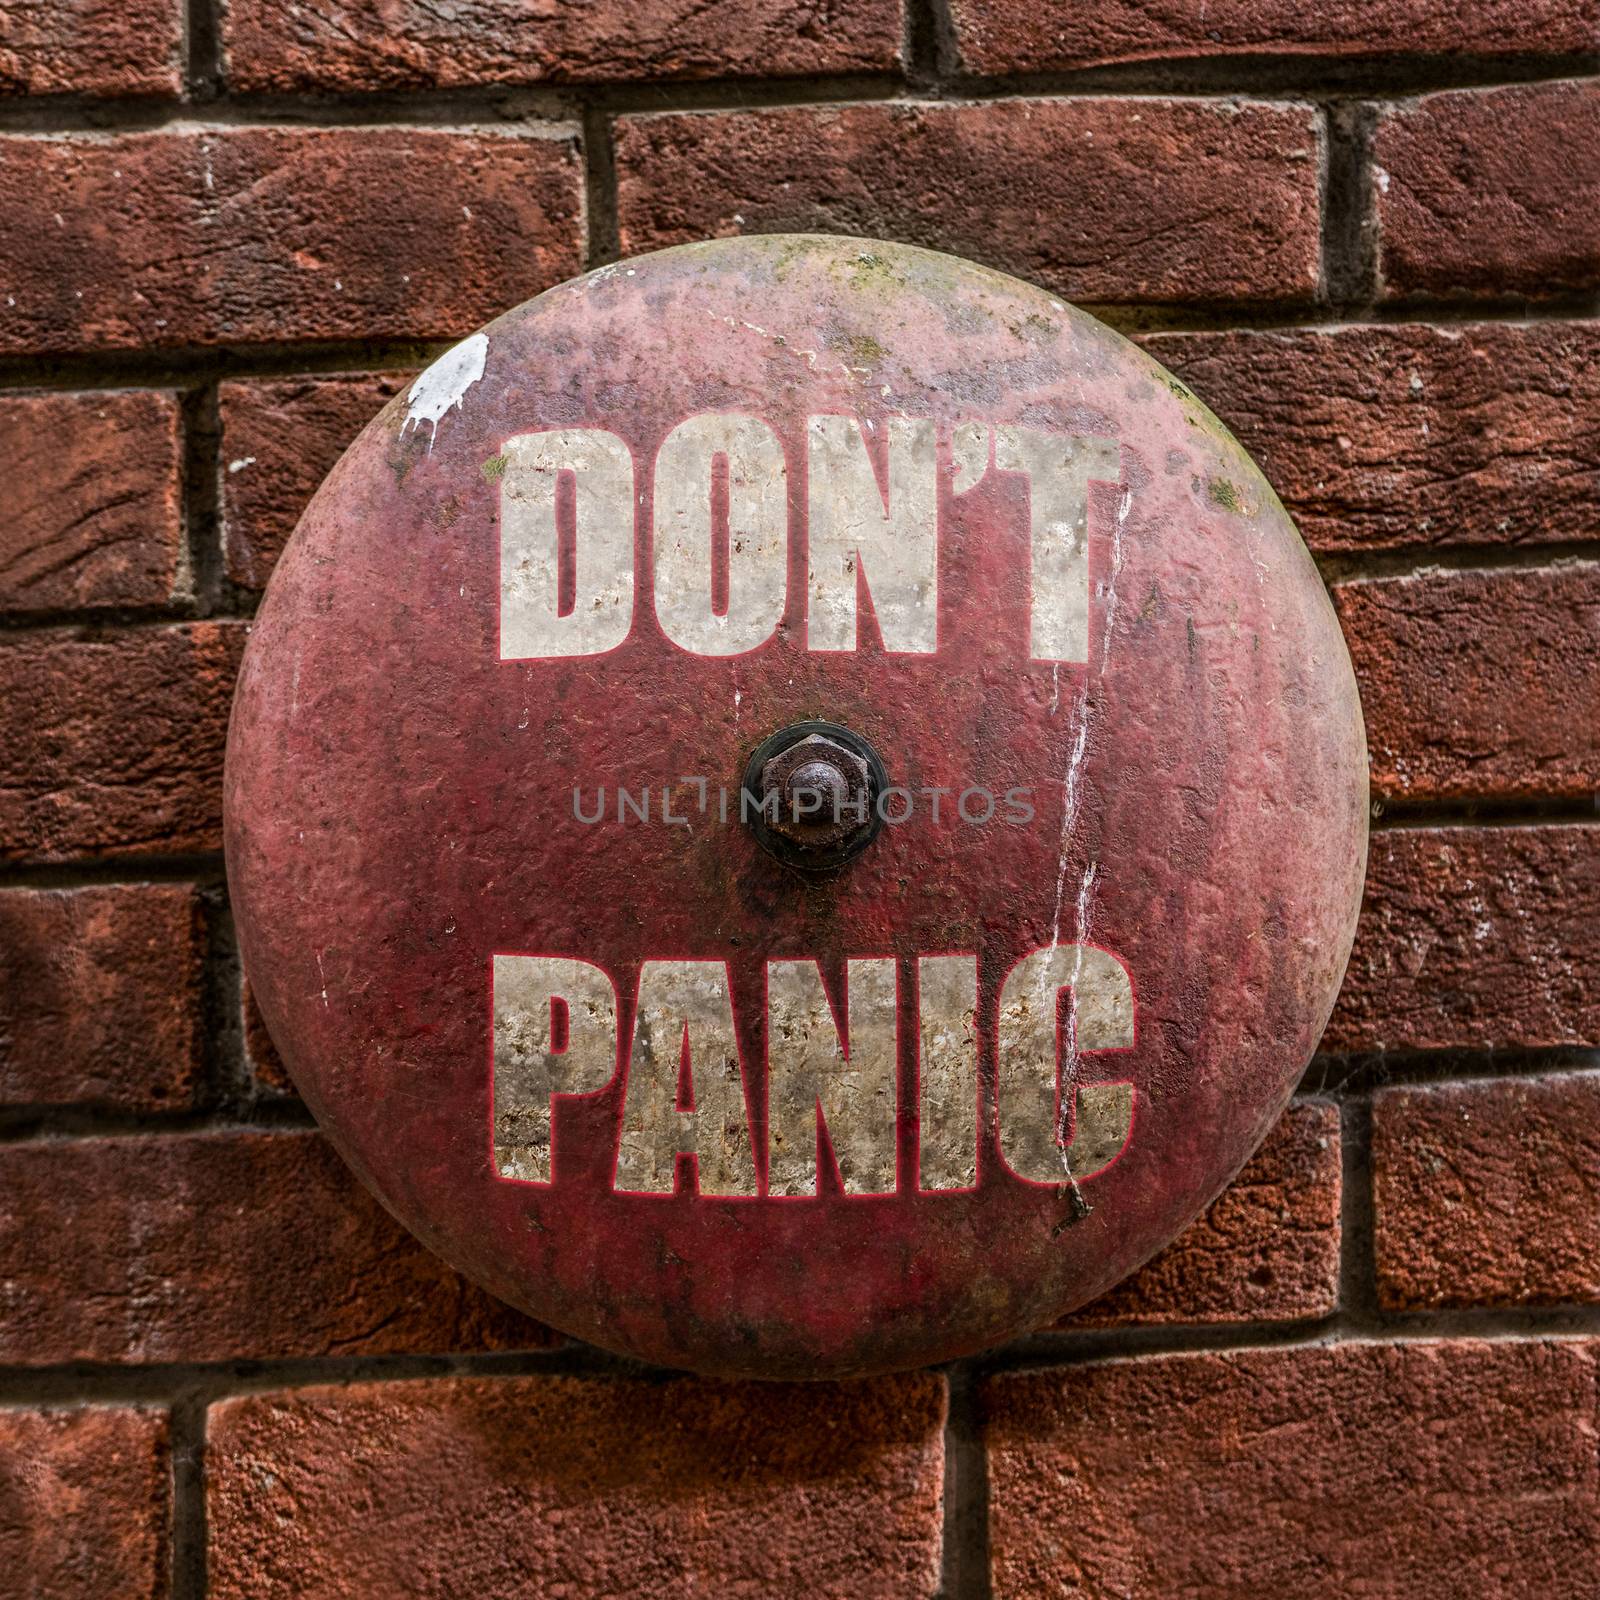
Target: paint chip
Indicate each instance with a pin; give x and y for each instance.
(443, 386)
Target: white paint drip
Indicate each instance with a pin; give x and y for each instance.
(1069, 810)
(1071, 806)
(1072, 782)
(1085, 915)
(1124, 506)
(442, 387)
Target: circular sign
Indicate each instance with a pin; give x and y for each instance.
(796, 806)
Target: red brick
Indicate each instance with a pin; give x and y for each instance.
(1488, 1194)
(235, 235)
(280, 438)
(502, 1488)
(353, 45)
(90, 504)
(999, 36)
(1105, 201)
(1266, 1250)
(219, 1247)
(267, 1071)
(102, 996)
(1383, 437)
(85, 1503)
(92, 47)
(1475, 938)
(113, 742)
(1479, 684)
(1491, 193)
(1393, 1472)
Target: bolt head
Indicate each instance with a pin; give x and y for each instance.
(823, 791)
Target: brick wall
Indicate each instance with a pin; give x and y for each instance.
(1366, 231)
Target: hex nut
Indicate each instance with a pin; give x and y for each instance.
(807, 765)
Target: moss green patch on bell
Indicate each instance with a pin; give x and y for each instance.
(494, 467)
(1225, 495)
(861, 349)
(790, 250)
(1035, 328)
(872, 273)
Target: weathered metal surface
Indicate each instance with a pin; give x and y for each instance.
(617, 540)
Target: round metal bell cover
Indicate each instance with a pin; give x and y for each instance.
(796, 806)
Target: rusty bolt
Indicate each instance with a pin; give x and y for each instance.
(823, 791)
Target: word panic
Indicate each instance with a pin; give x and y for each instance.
(687, 1089)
